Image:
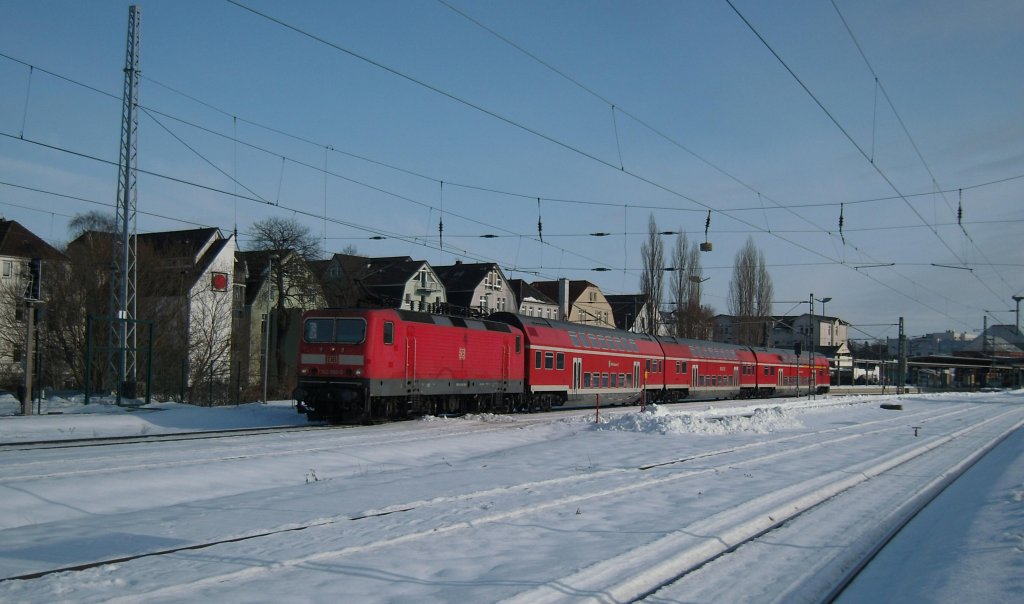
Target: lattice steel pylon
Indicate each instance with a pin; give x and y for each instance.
(123, 268)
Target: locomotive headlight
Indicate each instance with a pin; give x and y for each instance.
(359, 372)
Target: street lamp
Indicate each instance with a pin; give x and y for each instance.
(823, 301)
(696, 279)
(815, 329)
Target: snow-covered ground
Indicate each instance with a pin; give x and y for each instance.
(744, 501)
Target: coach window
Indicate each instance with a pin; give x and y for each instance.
(586, 380)
(604, 380)
(560, 361)
(613, 382)
(648, 364)
(549, 360)
(629, 380)
(574, 338)
(537, 359)
(519, 344)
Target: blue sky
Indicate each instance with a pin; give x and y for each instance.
(724, 127)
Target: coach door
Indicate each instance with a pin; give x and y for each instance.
(781, 379)
(577, 375)
(693, 376)
(636, 375)
(506, 364)
(410, 362)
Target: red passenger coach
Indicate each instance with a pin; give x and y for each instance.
(700, 369)
(783, 373)
(376, 364)
(582, 364)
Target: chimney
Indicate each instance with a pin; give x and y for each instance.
(563, 299)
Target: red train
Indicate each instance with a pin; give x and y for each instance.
(361, 365)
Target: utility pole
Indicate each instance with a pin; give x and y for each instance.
(813, 381)
(32, 291)
(123, 267)
(1016, 317)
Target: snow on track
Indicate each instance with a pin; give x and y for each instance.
(554, 508)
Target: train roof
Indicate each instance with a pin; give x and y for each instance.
(412, 316)
(523, 321)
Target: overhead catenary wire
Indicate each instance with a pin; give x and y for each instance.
(569, 147)
(906, 131)
(688, 150)
(626, 206)
(852, 141)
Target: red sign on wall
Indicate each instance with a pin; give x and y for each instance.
(219, 282)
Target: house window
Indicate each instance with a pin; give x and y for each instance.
(8, 268)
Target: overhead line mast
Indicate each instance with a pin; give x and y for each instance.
(123, 277)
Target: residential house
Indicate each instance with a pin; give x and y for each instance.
(531, 302)
(186, 285)
(401, 283)
(630, 312)
(18, 246)
(476, 287)
(579, 301)
(279, 286)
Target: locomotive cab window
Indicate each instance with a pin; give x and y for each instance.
(389, 333)
(349, 331)
(319, 331)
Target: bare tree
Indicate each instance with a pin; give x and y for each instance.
(692, 318)
(94, 220)
(750, 294)
(651, 281)
(295, 287)
(209, 345)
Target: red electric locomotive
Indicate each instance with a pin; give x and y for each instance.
(374, 364)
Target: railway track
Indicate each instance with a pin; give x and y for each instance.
(634, 573)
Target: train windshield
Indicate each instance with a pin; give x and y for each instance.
(349, 331)
(328, 330)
